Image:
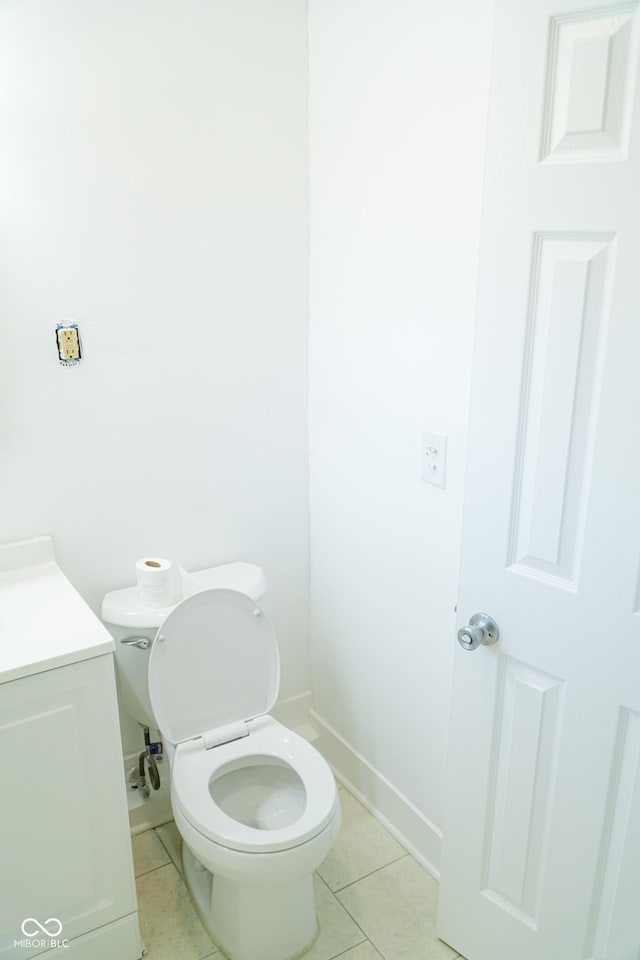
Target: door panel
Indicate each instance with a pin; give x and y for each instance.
(529, 717)
(565, 342)
(591, 71)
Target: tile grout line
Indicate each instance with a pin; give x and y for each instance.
(164, 846)
(371, 941)
(161, 866)
(349, 949)
(370, 874)
(364, 936)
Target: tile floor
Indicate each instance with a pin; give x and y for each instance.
(374, 901)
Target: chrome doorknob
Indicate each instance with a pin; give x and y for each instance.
(481, 629)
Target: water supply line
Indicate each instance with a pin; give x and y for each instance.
(138, 775)
(146, 756)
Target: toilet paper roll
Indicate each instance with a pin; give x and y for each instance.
(159, 582)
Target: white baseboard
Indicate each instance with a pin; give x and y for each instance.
(417, 834)
(293, 712)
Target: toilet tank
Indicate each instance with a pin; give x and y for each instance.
(126, 616)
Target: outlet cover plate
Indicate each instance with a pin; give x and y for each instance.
(434, 458)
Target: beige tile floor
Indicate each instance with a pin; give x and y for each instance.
(374, 901)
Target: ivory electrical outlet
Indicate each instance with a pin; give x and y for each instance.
(68, 340)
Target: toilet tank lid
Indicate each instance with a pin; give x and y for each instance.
(124, 608)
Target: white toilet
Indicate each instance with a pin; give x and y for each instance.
(256, 804)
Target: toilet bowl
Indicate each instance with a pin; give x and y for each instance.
(256, 804)
(259, 815)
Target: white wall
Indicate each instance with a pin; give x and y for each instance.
(153, 186)
(398, 100)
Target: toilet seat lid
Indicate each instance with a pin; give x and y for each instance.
(214, 661)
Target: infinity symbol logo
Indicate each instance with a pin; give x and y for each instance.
(52, 931)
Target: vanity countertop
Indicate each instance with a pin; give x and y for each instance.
(44, 622)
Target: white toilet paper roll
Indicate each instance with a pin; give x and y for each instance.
(159, 582)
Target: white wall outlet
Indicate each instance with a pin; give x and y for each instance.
(434, 458)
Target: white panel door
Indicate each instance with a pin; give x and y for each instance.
(541, 855)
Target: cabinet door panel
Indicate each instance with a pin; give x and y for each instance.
(64, 842)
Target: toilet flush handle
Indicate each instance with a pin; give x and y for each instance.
(141, 642)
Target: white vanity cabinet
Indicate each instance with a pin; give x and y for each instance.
(66, 873)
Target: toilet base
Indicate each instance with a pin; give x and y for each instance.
(253, 923)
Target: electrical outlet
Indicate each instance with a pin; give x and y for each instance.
(434, 458)
(68, 339)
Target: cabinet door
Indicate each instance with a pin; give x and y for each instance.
(65, 848)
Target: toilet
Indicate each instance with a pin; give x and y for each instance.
(255, 803)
